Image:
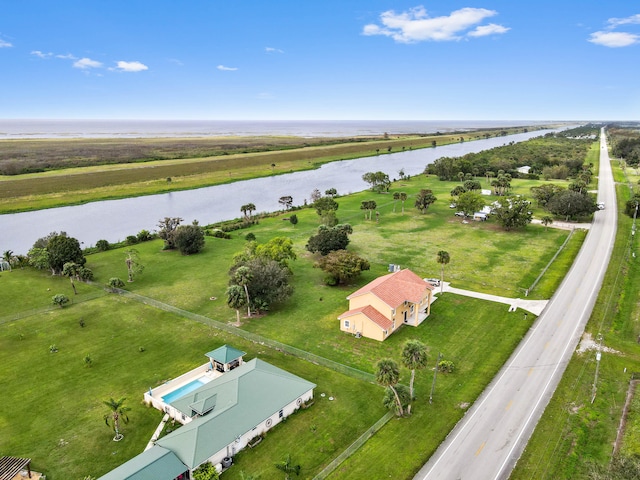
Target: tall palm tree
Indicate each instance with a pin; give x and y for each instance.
(396, 197)
(118, 412)
(236, 299)
(243, 277)
(403, 197)
(443, 259)
(388, 375)
(70, 269)
(414, 357)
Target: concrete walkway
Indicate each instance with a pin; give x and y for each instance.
(533, 306)
(564, 225)
(156, 434)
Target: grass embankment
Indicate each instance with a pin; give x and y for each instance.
(95, 176)
(52, 412)
(574, 434)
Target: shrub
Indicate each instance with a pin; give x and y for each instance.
(446, 366)
(60, 299)
(131, 240)
(102, 245)
(144, 236)
(115, 282)
(250, 237)
(189, 239)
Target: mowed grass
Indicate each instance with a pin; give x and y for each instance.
(573, 432)
(55, 396)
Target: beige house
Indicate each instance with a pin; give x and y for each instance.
(379, 308)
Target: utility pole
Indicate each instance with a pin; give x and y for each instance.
(595, 380)
(435, 373)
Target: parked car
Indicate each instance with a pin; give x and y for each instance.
(433, 281)
(600, 205)
(460, 214)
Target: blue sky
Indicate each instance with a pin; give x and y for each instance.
(329, 59)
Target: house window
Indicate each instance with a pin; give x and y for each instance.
(346, 324)
(412, 308)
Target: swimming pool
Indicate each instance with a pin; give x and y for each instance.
(182, 391)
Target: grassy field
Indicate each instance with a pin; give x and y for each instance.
(75, 171)
(574, 434)
(54, 411)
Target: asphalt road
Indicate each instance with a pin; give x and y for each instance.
(488, 441)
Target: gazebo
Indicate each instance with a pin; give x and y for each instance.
(12, 468)
(225, 358)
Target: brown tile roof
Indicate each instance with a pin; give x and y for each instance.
(396, 288)
(372, 314)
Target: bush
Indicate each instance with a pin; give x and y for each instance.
(115, 282)
(250, 237)
(144, 236)
(131, 240)
(60, 299)
(189, 239)
(102, 245)
(446, 366)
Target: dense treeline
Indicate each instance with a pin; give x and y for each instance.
(626, 144)
(559, 155)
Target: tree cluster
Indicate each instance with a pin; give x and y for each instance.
(341, 266)
(379, 181)
(537, 153)
(260, 276)
(329, 239)
(188, 239)
(424, 199)
(54, 250)
(564, 202)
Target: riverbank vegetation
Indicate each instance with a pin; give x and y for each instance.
(74, 171)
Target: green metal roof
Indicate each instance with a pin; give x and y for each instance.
(153, 464)
(225, 354)
(245, 397)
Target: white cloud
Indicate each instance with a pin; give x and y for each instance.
(614, 39)
(226, 69)
(615, 22)
(5, 44)
(86, 63)
(491, 29)
(68, 56)
(273, 50)
(131, 66)
(415, 25)
(40, 54)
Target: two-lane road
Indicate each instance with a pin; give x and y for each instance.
(488, 441)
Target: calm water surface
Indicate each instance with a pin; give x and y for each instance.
(114, 220)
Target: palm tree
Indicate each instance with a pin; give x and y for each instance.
(443, 259)
(118, 412)
(546, 220)
(70, 269)
(132, 260)
(414, 357)
(396, 197)
(243, 277)
(236, 299)
(287, 467)
(388, 375)
(403, 197)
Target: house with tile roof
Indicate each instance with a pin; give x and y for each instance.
(220, 418)
(382, 306)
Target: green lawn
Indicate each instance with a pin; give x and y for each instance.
(573, 432)
(53, 413)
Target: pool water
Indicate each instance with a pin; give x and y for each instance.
(182, 391)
